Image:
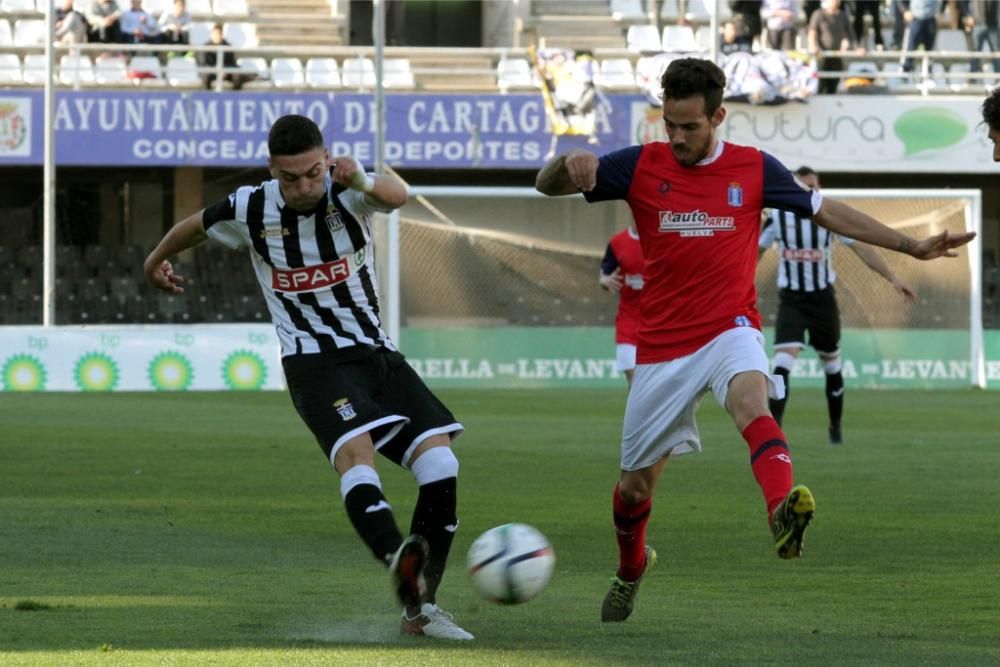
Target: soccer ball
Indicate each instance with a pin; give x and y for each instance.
(511, 564)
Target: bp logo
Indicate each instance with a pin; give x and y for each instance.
(170, 371)
(244, 369)
(928, 128)
(23, 372)
(96, 371)
(13, 128)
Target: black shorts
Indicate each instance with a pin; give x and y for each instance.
(815, 312)
(376, 392)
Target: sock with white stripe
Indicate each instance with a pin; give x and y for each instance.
(435, 515)
(369, 512)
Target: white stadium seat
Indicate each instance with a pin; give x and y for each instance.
(199, 7)
(287, 73)
(241, 34)
(615, 73)
(74, 70)
(396, 73)
(199, 33)
(10, 68)
(230, 8)
(514, 73)
(18, 6)
(183, 72)
(110, 70)
(627, 9)
(29, 32)
(358, 73)
(149, 65)
(679, 39)
(643, 38)
(34, 68)
(322, 73)
(6, 35)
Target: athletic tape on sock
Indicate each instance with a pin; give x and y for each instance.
(832, 366)
(356, 476)
(435, 464)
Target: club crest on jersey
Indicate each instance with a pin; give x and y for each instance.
(345, 409)
(734, 195)
(333, 221)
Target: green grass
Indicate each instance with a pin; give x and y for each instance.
(208, 529)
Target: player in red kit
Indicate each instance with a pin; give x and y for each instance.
(621, 273)
(697, 203)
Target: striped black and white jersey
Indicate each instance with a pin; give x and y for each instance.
(316, 269)
(804, 251)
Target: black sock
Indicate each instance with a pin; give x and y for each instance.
(835, 397)
(377, 528)
(433, 516)
(777, 405)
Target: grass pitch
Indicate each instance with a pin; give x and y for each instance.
(208, 529)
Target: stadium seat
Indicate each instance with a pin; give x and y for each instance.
(358, 73)
(961, 83)
(76, 70)
(322, 73)
(627, 9)
(287, 73)
(43, 6)
(897, 81)
(396, 73)
(18, 6)
(110, 70)
(643, 39)
(669, 10)
(157, 7)
(705, 38)
(199, 33)
(952, 40)
(241, 34)
(34, 69)
(6, 36)
(182, 72)
(679, 39)
(514, 73)
(230, 8)
(10, 68)
(200, 7)
(255, 65)
(29, 32)
(146, 69)
(615, 73)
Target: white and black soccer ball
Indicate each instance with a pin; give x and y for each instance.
(511, 564)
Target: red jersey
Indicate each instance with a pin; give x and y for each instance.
(625, 252)
(698, 228)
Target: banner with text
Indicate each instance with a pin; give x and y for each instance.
(246, 357)
(497, 131)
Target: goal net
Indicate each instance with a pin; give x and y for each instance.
(507, 257)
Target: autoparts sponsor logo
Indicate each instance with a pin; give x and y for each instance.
(695, 223)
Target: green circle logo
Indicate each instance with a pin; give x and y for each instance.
(170, 371)
(244, 370)
(23, 372)
(96, 371)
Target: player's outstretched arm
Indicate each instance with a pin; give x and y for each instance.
(187, 233)
(384, 190)
(567, 174)
(852, 223)
(875, 262)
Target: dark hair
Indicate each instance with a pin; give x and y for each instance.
(687, 77)
(805, 171)
(991, 110)
(292, 135)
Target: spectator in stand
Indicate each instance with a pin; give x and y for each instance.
(830, 30)
(175, 24)
(746, 14)
(104, 18)
(210, 59)
(920, 17)
(732, 41)
(139, 26)
(779, 17)
(874, 9)
(985, 31)
(71, 25)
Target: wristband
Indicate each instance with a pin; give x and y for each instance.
(361, 180)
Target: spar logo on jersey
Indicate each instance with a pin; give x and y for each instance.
(695, 223)
(311, 278)
(803, 255)
(332, 219)
(734, 195)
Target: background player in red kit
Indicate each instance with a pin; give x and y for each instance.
(697, 205)
(621, 273)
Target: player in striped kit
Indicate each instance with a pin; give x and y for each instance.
(621, 274)
(697, 204)
(309, 234)
(807, 301)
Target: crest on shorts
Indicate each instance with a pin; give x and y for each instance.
(742, 321)
(345, 409)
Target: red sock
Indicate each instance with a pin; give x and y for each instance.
(769, 459)
(630, 528)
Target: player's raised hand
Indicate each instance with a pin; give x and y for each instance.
(612, 281)
(940, 245)
(348, 172)
(162, 277)
(581, 167)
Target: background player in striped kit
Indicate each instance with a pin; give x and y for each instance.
(621, 274)
(807, 301)
(309, 232)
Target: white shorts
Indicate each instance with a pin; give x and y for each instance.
(624, 357)
(659, 416)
